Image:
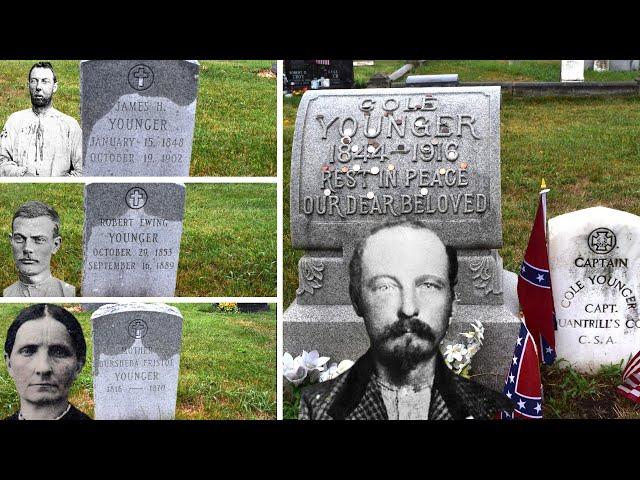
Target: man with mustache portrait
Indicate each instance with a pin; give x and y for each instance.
(401, 282)
(41, 141)
(35, 238)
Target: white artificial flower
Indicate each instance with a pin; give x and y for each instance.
(479, 328)
(287, 361)
(293, 369)
(313, 361)
(330, 373)
(344, 366)
(455, 352)
(472, 349)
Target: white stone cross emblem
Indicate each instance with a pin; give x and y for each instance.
(136, 198)
(141, 74)
(140, 77)
(138, 328)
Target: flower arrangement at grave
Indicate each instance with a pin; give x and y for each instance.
(227, 307)
(458, 356)
(310, 367)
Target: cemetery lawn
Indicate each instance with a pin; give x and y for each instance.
(488, 71)
(229, 241)
(227, 365)
(569, 394)
(235, 132)
(228, 246)
(588, 153)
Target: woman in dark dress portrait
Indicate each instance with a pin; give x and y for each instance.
(44, 352)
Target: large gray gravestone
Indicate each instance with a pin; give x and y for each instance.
(594, 257)
(136, 359)
(429, 154)
(138, 116)
(132, 238)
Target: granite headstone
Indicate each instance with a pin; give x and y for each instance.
(138, 116)
(617, 65)
(136, 359)
(132, 238)
(301, 73)
(429, 154)
(601, 65)
(253, 307)
(594, 257)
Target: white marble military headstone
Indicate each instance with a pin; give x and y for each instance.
(136, 358)
(572, 71)
(593, 258)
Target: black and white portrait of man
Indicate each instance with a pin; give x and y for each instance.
(41, 141)
(401, 282)
(35, 238)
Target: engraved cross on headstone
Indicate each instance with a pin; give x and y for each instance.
(141, 74)
(137, 325)
(135, 198)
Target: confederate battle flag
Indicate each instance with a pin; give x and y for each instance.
(534, 288)
(523, 385)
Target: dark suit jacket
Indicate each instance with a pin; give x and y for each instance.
(355, 395)
(72, 414)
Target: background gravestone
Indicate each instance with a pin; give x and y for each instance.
(601, 65)
(302, 72)
(617, 65)
(132, 238)
(136, 359)
(138, 116)
(572, 71)
(593, 258)
(361, 157)
(253, 307)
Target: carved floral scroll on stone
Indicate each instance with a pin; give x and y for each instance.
(486, 276)
(310, 276)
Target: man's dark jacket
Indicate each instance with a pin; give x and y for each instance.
(355, 395)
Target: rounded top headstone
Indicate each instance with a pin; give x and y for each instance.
(113, 308)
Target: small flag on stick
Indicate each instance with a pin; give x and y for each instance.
(630, 387)
(534, 286)
(523, 385)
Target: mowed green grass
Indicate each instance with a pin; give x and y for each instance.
(227, 365)
(488, 71)
(235, 132)
(229, 241)
(585, 148)
(228, 246)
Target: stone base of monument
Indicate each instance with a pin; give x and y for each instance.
(337, 332)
